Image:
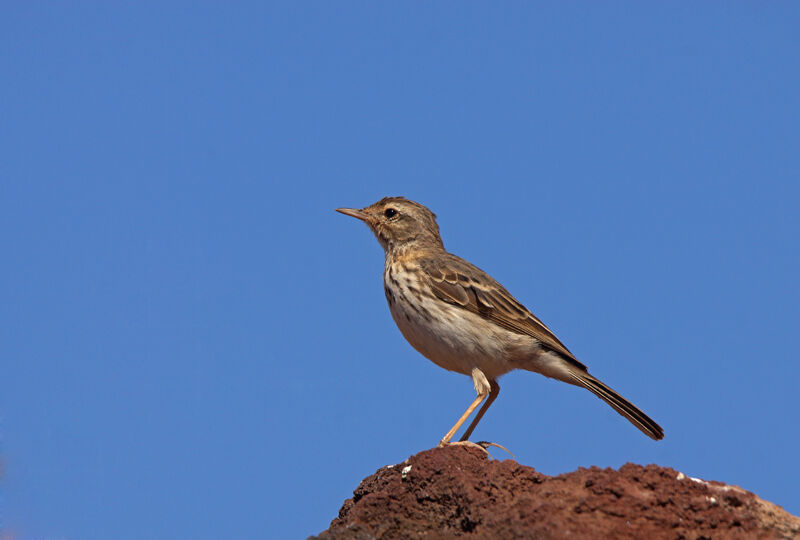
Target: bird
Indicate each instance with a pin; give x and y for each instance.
(463, 320)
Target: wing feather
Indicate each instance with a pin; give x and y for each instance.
(458, 282)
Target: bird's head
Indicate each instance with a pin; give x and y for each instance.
(398, 223)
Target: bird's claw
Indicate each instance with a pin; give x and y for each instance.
(481, 445)
(487, 444)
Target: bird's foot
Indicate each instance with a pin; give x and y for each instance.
(468, 444)
(481, 445)
(485, 445)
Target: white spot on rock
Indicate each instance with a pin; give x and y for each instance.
(682, 476)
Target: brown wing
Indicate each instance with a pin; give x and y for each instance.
(458, 282)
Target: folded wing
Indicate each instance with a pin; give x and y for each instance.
(460, 283)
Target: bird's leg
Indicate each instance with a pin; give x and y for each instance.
(483, 388)
(494, 391)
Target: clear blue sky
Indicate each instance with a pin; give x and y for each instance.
(194, 345)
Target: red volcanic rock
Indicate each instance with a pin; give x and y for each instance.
(459, 491)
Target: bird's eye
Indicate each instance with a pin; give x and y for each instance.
(390, 212)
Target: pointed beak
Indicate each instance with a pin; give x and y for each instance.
(352, 212)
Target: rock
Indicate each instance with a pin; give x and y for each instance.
(459, 491)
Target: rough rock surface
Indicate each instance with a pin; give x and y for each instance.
(458, 491)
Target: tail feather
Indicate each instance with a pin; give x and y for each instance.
(624, 407)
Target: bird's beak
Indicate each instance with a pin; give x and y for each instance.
(352, 212)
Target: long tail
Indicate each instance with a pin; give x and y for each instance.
(620, 404)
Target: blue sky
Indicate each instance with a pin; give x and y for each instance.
(195, 345)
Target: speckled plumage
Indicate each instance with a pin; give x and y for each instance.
(463, 320)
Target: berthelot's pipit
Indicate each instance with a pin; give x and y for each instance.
(463, 320)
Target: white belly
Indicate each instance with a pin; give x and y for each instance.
(454, 338)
